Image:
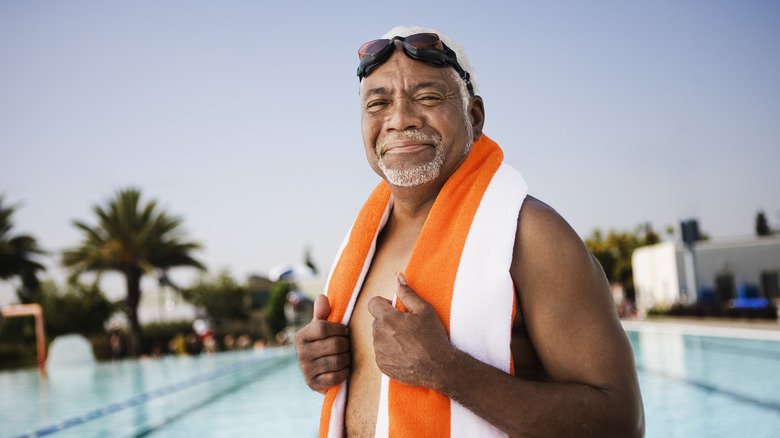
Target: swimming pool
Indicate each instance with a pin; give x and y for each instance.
(707, 386)
(692, 385)
(242, 393)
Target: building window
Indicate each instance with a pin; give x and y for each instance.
(724, 288)
(770, 284)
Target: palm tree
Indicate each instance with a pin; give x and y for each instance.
(15, 253)
(132, 241)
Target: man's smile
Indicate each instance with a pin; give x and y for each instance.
(404, 146)
(407, 142)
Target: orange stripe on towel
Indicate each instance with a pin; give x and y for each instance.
(327, 410)
(346, 274)
(431, 272)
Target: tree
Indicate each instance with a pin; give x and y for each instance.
(132, 241)
(274, 312)
(222, 297)
(615, 250)
(762, 225)
(16, 253)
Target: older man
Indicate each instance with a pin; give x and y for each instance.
(459, 306)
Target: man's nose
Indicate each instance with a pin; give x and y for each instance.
(403, 115)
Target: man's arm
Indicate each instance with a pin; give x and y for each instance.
(323, 349)
(571, 322)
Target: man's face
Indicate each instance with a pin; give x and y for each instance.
(415, 128)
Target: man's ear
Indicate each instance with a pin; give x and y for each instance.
(477, 116)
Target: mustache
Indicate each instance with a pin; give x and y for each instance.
(417, 135)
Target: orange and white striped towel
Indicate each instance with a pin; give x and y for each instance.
(460, 264)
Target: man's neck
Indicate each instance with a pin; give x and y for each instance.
(411, 205)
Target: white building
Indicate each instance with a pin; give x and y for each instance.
(163, 304)
(722, 271)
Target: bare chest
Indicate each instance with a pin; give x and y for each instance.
(392, 255)
(365, 379)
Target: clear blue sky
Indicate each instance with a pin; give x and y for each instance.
(242, 117)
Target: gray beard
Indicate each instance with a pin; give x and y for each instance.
(416, 175)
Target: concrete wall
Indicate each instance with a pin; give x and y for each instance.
(656, 276)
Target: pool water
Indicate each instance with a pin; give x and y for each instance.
(228, 394)
(692, 386)
(705, 386)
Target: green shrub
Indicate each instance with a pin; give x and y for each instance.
(275, 319)
(17, 355)
(79, 309)
(221, 297)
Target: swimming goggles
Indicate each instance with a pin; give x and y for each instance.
(425, 47)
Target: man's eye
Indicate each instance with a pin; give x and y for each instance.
(376, 105)
(429, 99)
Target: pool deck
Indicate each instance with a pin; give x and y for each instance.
(764, 330)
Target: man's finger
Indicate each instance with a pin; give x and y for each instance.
(407, 296)
(321, 308)
(328, 346)
(378, 306)
(317, 330)
(322, 382)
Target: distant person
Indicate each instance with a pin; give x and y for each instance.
(228, 342)
(115, 340)
(178, 344)
(193, 345)
(243, 342)
(459, 306)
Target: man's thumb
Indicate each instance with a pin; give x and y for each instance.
(408, 298)
(321, 308)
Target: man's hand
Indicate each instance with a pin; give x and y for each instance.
(323, 349)
(411, 347)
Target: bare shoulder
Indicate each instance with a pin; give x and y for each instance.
(565, 299)
(545, 244)
(540, 225)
